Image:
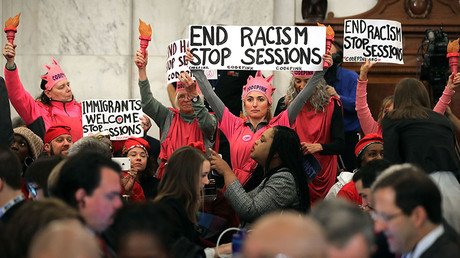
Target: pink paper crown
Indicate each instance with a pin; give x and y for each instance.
(302, 74)
(260, 84)
(54, 74)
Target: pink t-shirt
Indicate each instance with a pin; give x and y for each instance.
(242, 138)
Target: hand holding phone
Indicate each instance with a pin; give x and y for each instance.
(125, 163)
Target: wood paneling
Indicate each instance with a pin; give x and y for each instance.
(383, 77)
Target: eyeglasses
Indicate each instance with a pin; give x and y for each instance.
(33, 188)
(385, 217)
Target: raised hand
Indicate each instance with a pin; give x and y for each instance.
(189, 84)
(128, 180)
(327, 59)
(365, 67)
(454, 81)
(188, 55)
(140, 60)
(9, 53)
(219, 164)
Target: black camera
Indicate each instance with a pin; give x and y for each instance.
(435, 66)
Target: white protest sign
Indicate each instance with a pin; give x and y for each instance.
(121, 118)
(257, 48)
(175, 63)
(211, 74)
(376, 40)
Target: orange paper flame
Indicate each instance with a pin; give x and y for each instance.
(13, 22)
(453, 46)
(329, 30)
(144, 29)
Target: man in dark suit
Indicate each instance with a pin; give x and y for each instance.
(408, 210)
(11, 197)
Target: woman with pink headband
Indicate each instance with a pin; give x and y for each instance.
(257, 101)
(56, 105)
(320, 128)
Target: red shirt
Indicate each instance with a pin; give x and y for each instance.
(349, 192)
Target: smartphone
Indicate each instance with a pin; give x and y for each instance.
(210, 190)
(125, 163)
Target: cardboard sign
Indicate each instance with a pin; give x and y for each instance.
(376, 40)
(257, 48)
(175, 63)
(121, 118)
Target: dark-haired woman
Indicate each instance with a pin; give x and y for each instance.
(186, 173)
(284, 185)
(180, 192)
(56, 105)
(368, 124)
(413, 133)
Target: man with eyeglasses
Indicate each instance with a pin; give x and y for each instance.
(408, 211)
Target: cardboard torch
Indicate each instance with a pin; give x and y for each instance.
(145, 35)
(11, 27)
(452, 55)
(329, 39)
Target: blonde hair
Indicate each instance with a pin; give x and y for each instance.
(386, 102)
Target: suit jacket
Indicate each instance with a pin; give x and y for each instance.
(446, 246)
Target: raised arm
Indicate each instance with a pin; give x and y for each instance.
(152, 107)
(213, 100)
(367, 122)
(207, 122)
(278, 192)
(211, 97)
(296, 105)
(22, 101)
(449, 91)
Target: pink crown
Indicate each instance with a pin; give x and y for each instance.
(302, 74)
(260, 84)
(54, 74)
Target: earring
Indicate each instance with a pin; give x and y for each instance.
(28, 161)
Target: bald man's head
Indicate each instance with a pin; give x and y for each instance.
(290, 234)
(64, 238)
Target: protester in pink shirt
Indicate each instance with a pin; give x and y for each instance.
(56, 105)
(257, 102)
(368, 124)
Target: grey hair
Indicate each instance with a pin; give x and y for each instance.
(341, 221)
(90, 143)
(319, 100)
(391, 170)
